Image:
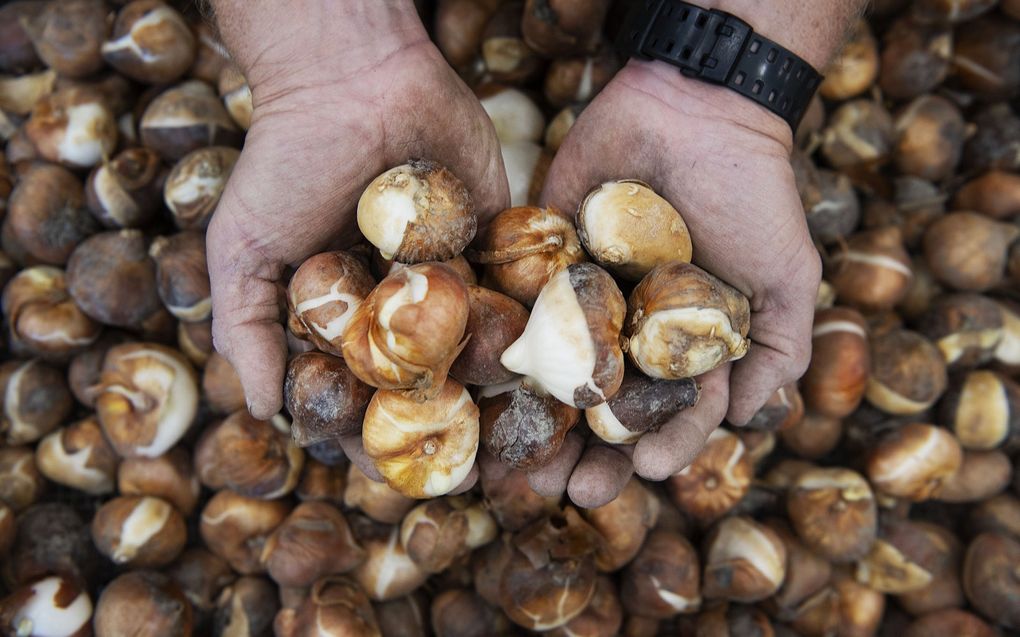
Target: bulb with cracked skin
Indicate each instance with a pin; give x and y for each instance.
(79, 456)
(833, 511)
(908, 373)
(124, 192)
(336, 605)
(249, 603)
(236, 528)
(642, 404)
(745, 561)
(629, 228)
(387, 572)
(194, 185)
(409, 330)
(73, 126)
(901, 558)
(417, 212)
(255, 458)
(150, 42)
(624, 524)
(323, 295)
(34, 399)
(422, 449)
(967, 329)
(664, 578)
(233, 88)
(438, 532)
(982, 409)
(182, 276)
(524, 247)
(859, 132)
(524, 428)
(717, 479)
(42, 318)
(570, 346)
(147, 398)
(913, 461)
(52, 606)
(314, 541)
(186, 117)
(139, 531)
(550, 577)
(682, 322)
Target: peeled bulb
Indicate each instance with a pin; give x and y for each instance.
(570, 347)
(627, 227)
(682, 322)
(525, 165)
(514, 115)
(422, 449)
(409, 330)
(417, 212)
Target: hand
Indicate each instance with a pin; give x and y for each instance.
(723, 162)
(330, 114)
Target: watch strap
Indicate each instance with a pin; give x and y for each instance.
(720, 48)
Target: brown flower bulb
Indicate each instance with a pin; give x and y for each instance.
(524, 247)
(417, 212)
(682, 322)
(323, 295)
(409, 330)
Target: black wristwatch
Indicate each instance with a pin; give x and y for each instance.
(720, 48)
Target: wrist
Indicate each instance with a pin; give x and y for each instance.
(703, 101)
(302, 43)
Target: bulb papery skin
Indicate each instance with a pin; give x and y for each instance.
(683, 322)
(570, 346)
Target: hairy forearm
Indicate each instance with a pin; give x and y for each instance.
(329, 38)
(813, 29)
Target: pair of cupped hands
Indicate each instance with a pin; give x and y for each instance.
(324, 127)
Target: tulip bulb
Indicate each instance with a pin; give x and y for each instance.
(409, 330)
(417, 212)
(682, 322)
(570, 346)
